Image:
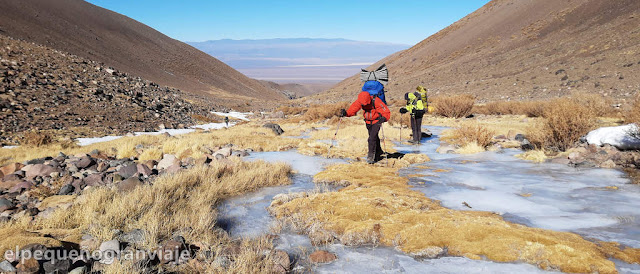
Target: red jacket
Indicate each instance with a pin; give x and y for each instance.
(371, 114)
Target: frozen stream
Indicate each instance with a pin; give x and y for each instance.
(539, 195)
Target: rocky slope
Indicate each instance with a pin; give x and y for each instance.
(83, 29)
(512, 49)
(46, 89)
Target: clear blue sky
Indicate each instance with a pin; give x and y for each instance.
(396, 21)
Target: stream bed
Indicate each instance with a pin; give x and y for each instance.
(596, 203)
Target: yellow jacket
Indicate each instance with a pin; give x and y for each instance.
(414, 104)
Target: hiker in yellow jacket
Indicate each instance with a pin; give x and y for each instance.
(415, 107)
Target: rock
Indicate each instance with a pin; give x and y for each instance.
(151, 164)
(56, 266)
(526, 145)
(85, 162)
(173, 169)
(40, 170)
(275, 128)
(281, 260)
(89, 243)
(7, 267)
(240, 153)
(28, 266)
(608, 164)
(135, 236)
(92, 180)
(102, 167)
(519, 137)
(129, 184)
(171, 251)
(202, 161)
(109, 250)
(5, 204)
(66, 189)
(167, 161)
(9, 184)
(322, 256)
(144, 170)
(225, 152)
(35, 162)
(128, 170)
(426, 134)
(432, 252)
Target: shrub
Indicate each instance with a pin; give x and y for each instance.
(565, 122)
(598, 104)
(529, 108)
(323, 112)
(36, 138)
(457, 106)
(471, 134)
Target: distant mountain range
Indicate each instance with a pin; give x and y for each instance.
(298, 59)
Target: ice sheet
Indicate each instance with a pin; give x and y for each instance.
(597, 203)
(303, 164)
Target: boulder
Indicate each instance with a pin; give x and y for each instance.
(5, 204)
(6, 185)
(135, 236)
(129, 184)
(92, 180)
(7, 267)
(151, 164)
(22, 186)
(519, 137)
(109, 250)
(56, 266)
(128, 170)
(89, 243)
(40, 170)
(275, 128)
(102, 167)
(282, 262)
(240, 153)
(28, 266)
(322, 256)
(174, 169)
(66, 189)
(526, 145)
(144, 170)
(167, 161)
(225, 152)
(432, 252)
(85, 162)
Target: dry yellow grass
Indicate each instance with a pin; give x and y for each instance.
(379, 207)
(536, 156)
(249, 135)
(181, 203)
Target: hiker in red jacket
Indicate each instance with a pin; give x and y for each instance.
(375, 113)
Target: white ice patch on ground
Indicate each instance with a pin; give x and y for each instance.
(550, 196)
(172, 132)
(615, 136)
(90, 141)
(9, 147)
(303, 164)
(234, 114)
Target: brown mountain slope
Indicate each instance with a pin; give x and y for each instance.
(513, 49)
(101, 35)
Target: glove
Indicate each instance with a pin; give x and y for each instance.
(403, 110)
(342, 113)
(382, 119)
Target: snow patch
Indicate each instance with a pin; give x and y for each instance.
(9, 147)
(615, 136)
(234, 114)
(172, 132)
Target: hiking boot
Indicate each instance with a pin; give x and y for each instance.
(371, 161)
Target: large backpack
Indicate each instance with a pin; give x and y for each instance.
(375, 89)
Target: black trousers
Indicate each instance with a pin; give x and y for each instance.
(416, 127)
(375, 151)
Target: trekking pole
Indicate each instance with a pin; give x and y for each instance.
(384, 144)
(334, 138)
(401, 127)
